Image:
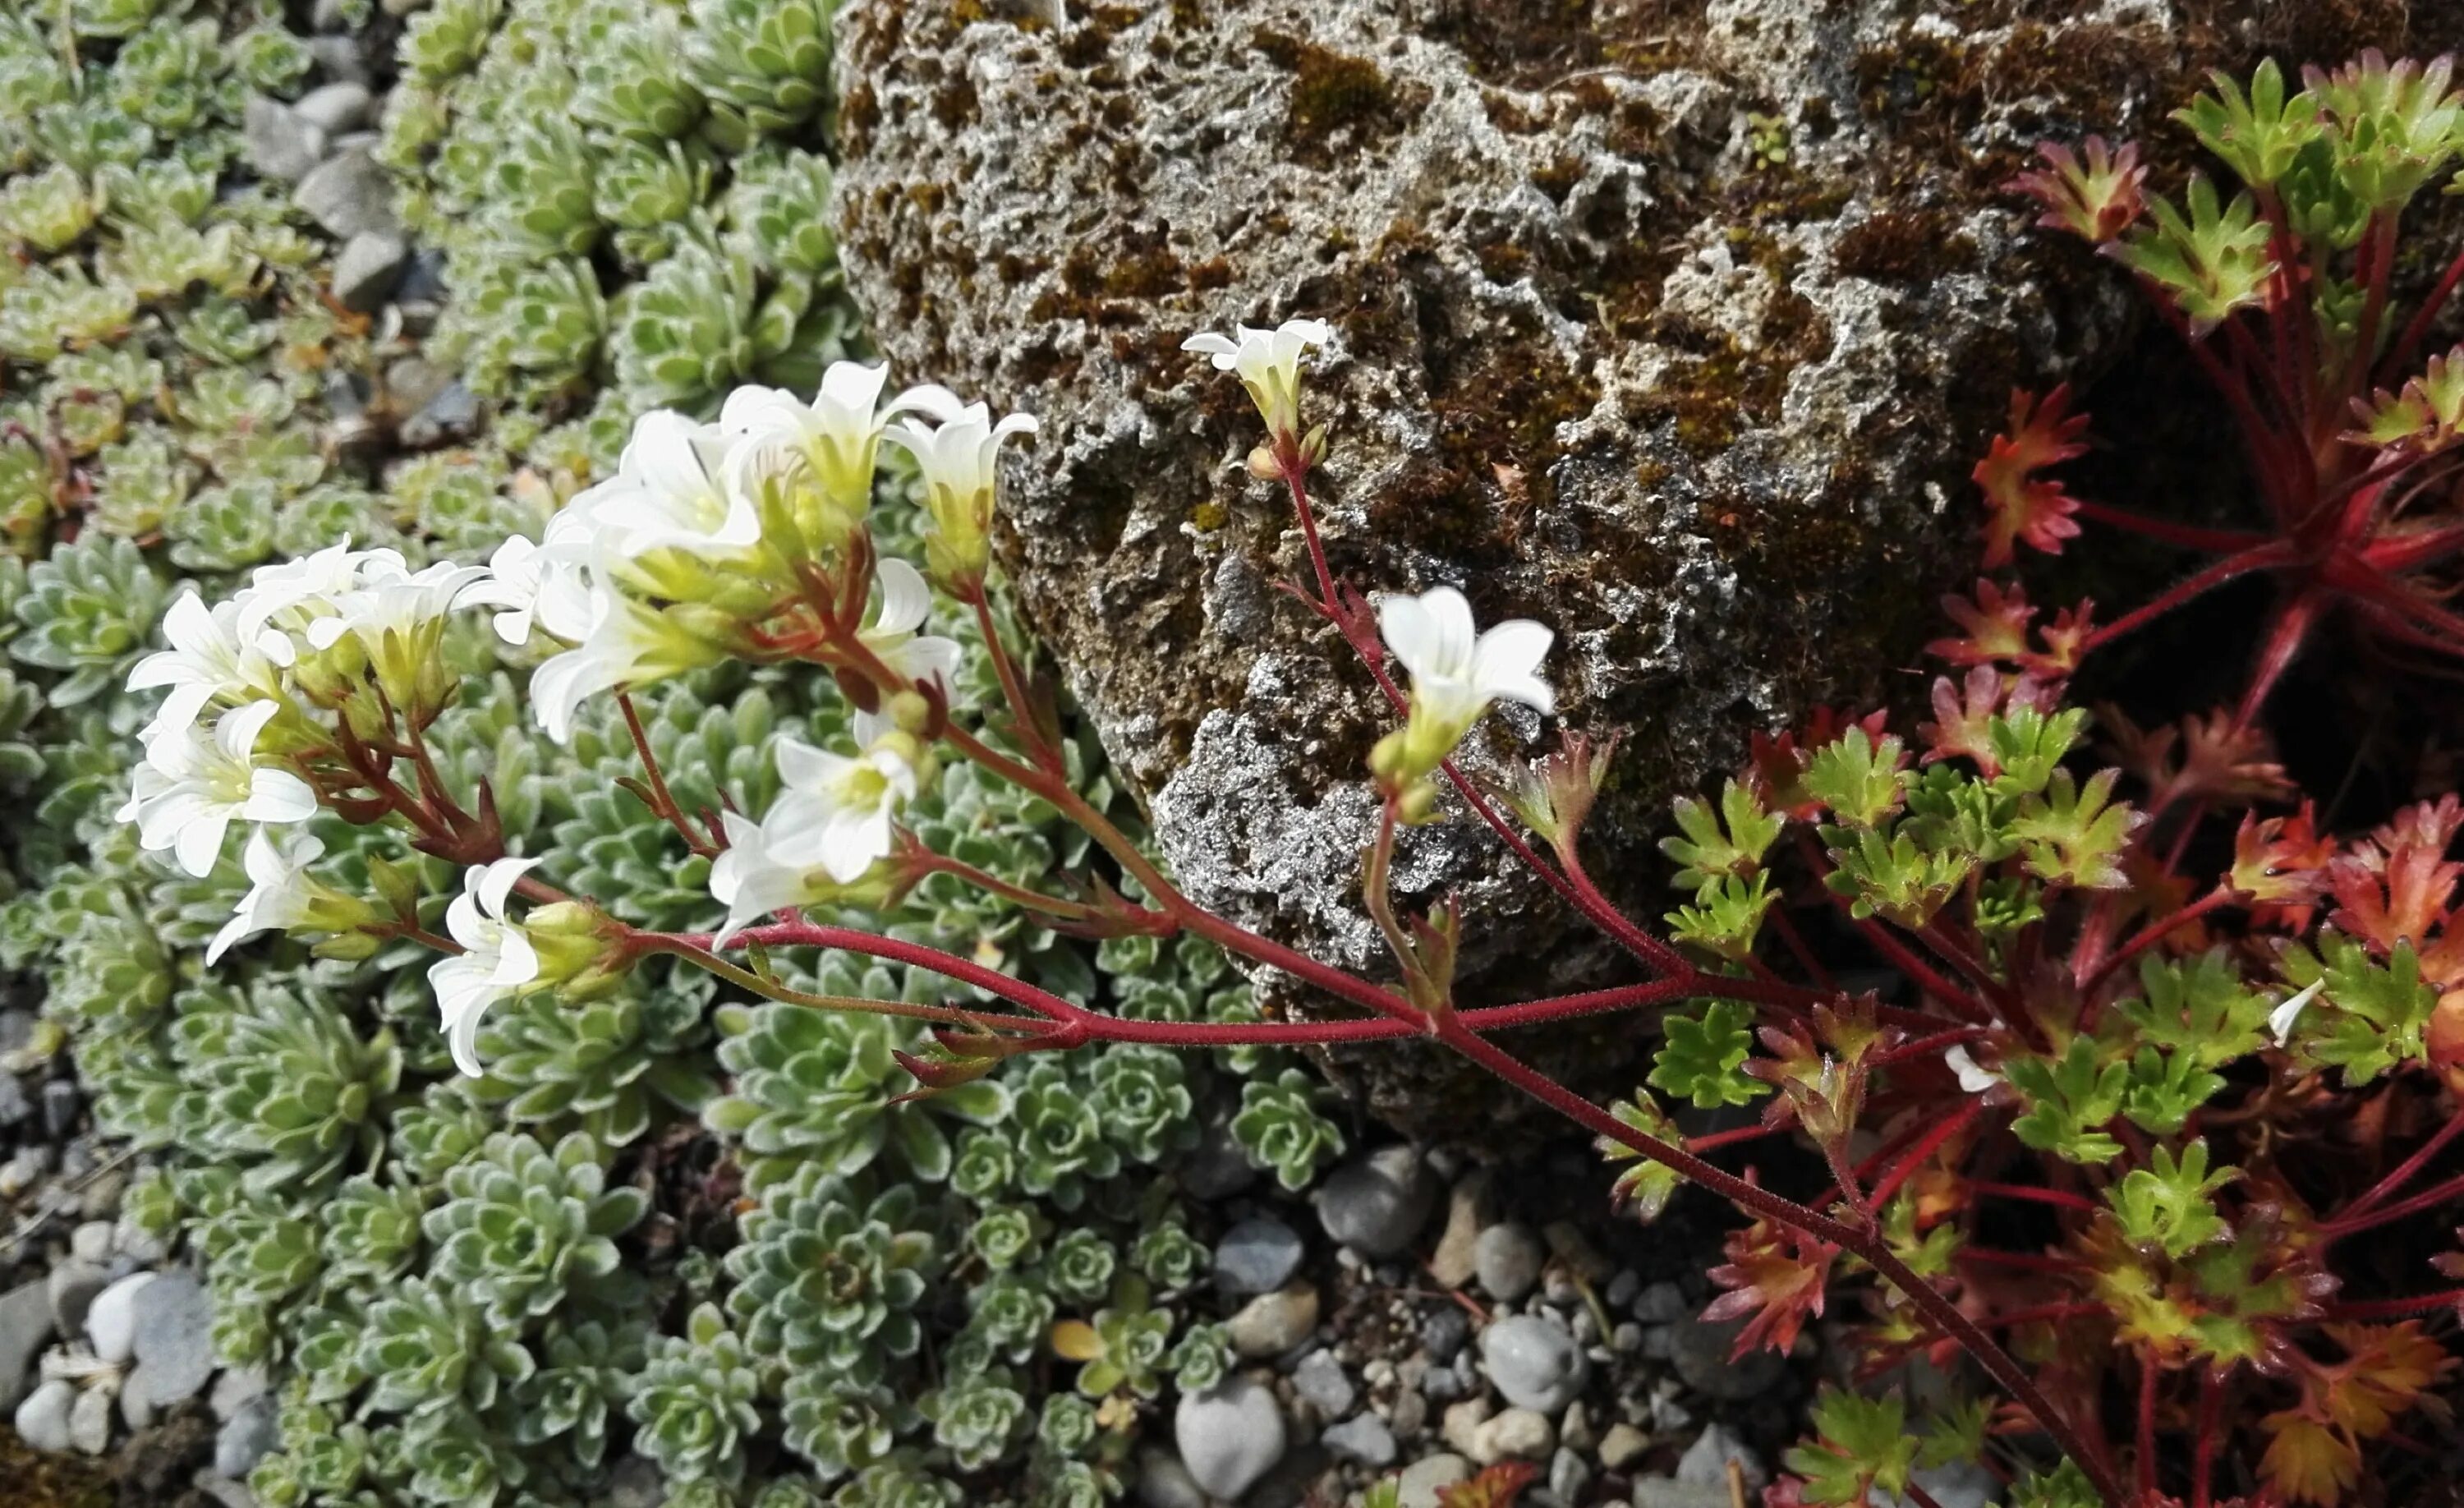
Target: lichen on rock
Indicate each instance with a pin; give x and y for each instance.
(1675, 326)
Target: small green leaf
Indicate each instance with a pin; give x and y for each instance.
(1702, 1055)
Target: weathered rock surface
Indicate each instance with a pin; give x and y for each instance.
(1674, 324)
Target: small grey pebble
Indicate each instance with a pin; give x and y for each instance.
(1256, 1256)
(452, 414)
(90, 1421)
(90, 1243)
(339, 58)
(62, 1106)
(1660, 1303)
(43, 1419)
(1568, 1475)
(1322, 1379)
(1507, 1257)
(366, 268)
(247, 1437)
(1441, 1385)
(15, 1107)
(1443, 1333)
(1363, 1438)
(1622, 1288)
(1379, 1201)
(1627, 1338)
(335, 107)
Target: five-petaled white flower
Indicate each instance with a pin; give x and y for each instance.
(1268, 362)
(195, 783)
(497, 959)
(1457, 671)
(837, 811)
(957, 457)
(2281, 1019)
(291, 596)
(671, 489)
(752, 881)
(280, 894)
(629, 643)
(390, 606)
(906, 602)
(517, 577)
(209, 659)
(839, 432)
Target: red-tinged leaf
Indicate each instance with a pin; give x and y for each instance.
(2096, 199)
(2281, 863)
(2444, 1037)
(2201, 758)
(1964, 713)
(1497, 1487)
(2392, 1367)
(1776, 1274)
(2023, 507)
(1776, 764)
(2306, 1462)
(1994, 626)
(2065, 641)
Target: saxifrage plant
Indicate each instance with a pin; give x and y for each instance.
(2104, 1122)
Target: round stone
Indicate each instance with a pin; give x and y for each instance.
(1533, 1362)
(1229, 1435)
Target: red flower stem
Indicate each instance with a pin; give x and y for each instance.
(2263, 558)
(1897, 955)
(1013, 687)
(2203, 1463)
(2378, 260)
(2400, 356)
(1918, 1496)
(702, 957)
(2220, 541)
(1713, 1142)
(2398, 1308)
(2151, 934)
(2145, 1465)
(2052, 1196)
(2043, 1313)
(2284, 639)
(663, 801)
(2436, 1193)
(1865, 1245)
(1931, 1143)
(1795, 941)
(1571, 885)
(2404, 1170)
(924, 862)
(2407, 551)
(1928, 1045)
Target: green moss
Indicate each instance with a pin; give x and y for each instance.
(1331, 92)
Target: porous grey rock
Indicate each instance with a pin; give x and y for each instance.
(367, 268)
(25, 1323)
(43, 1419)
(1364, 1439)
(1229, 1435)
(1597, 357)
(342, 106)
(247, 1436)
(1423, 1479)
(349, 193)
(1273, 1322)
(277, 142)
(1535, 1364)
(1700, 1351)
(1376, 1204)
(1508, 1256)
(1322, 1379)
(1256, 1256)
(174, 1341)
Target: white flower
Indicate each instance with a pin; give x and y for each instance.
(629, 644)
(1457, 671)
(750, 880)
(906, 602)
(390, 605)
(290, 594)
(839, 433)
(2280, 1020)
(837, 811)
(957, 457)
(670, 489)
(515, 575)
(209, 659)
(1269, 364)
(279, 896)
(194, 784)
(496, 960)
(1973, 1079)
